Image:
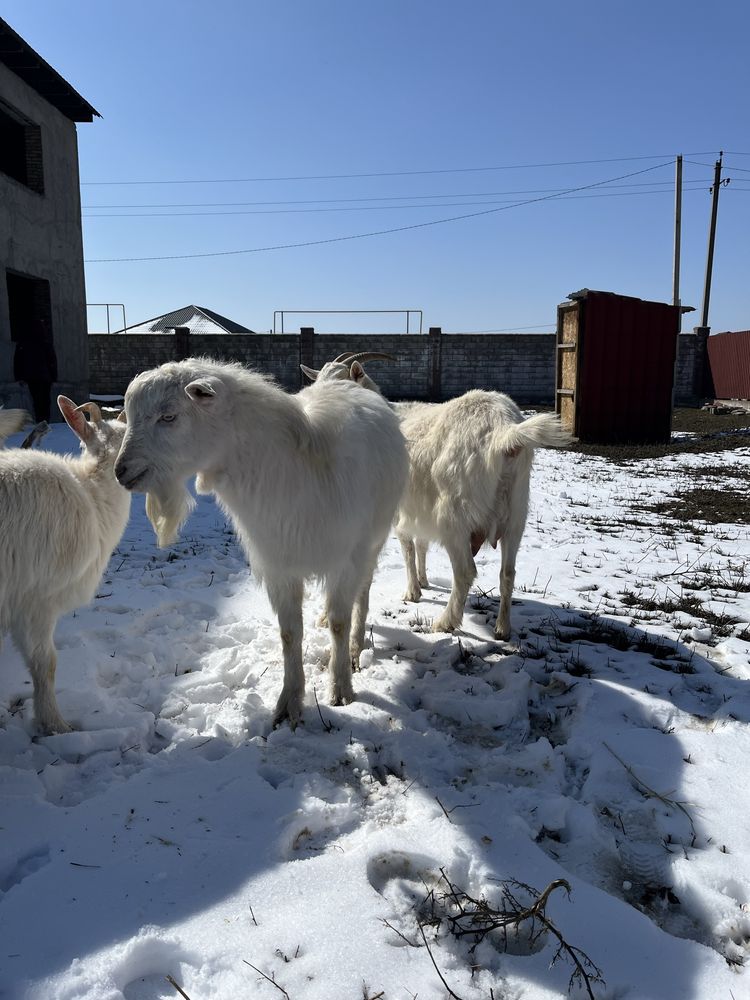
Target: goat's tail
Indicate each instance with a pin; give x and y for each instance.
(12, 421)
(541, 431)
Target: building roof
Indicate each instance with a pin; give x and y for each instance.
(197, 318)
(18, 56)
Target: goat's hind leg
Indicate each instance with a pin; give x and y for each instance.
(413, 590)
(35, 642)
(340, 605)
(286, 600)
(464, 573)
(359, 616)
(421, 547)
(509, 545)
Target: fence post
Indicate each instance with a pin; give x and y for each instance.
(435, 348)
(306, 350)
(181, 343)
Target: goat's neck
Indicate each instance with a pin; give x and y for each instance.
(272, 437)
(110, 499)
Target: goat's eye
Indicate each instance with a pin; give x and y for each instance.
(167, 418)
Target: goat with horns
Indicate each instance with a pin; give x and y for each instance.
(470, 463)
(310, 480)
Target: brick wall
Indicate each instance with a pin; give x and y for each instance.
(431, 366)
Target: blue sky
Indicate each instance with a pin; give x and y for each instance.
(425, 95)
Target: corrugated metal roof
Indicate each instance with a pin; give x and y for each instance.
(198, 319)
(18, 56)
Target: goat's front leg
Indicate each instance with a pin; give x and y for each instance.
(464, 572)
(41, 659)
(286, 600)
(413, 590)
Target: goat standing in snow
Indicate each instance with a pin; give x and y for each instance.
(470, 463)
(61, 518)
(311, 482)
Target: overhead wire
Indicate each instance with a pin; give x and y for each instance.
(390, 173)
(349, 208)
(382, 232)
(409, 197)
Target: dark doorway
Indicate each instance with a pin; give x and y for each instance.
(29, 307)
(34, 361)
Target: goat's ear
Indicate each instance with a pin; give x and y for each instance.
(75, 418)
(122, 417)
(203, 390)
(310, 372)
(357, 371)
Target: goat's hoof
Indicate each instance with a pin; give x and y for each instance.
(445, 625)
(342, 694)
(50, 727)
(424, 582)
(503, 634)
(413, 595)
(288, 710)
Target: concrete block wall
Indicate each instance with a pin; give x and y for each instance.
(428, 366)
(521, 365)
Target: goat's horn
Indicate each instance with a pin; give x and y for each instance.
(93, 411)
(367, 356)
(343, 357)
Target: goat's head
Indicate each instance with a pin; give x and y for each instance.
(173, 417)
(348, 368)
(100, 438)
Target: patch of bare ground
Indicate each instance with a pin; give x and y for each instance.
(713, 506)
(710, 432)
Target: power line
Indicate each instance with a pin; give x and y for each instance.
(395, 173)
(406, 197)
(381, 232)
(361, 208)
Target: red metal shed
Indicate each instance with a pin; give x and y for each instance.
(615, 367)
(729, 357)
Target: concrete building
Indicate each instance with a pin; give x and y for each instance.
(42, 290)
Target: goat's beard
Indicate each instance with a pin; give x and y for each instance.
(167, 510)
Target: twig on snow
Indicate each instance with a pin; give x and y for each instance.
(270, 979)
(650, 792)
(179, 989)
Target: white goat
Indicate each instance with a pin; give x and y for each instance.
(12, 421)
(311, 482)
(470, 463)
(61, 519)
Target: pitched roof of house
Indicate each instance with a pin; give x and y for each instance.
(197, 318)
(19, 57)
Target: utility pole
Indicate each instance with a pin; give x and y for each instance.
(711, 239)
(677, 233)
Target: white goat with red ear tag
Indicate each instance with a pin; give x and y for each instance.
(61, 517)
(310, 480)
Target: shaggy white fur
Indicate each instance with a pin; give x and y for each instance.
(470, 463)
(311, 482)
(61, 519)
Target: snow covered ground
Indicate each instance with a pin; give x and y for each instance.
(175, 834)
